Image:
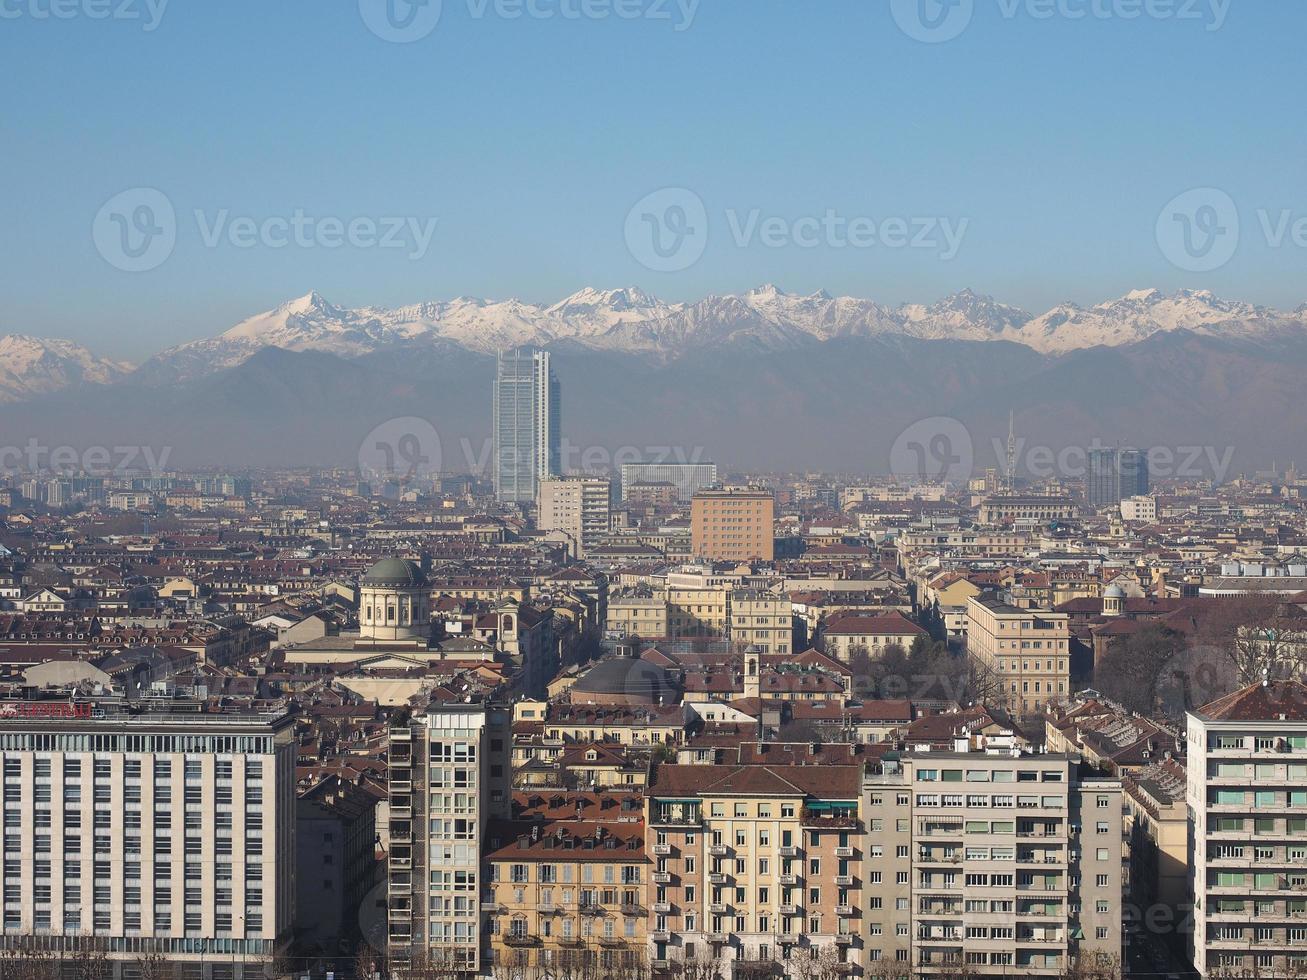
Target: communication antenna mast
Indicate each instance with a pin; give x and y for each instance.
(1011, 452)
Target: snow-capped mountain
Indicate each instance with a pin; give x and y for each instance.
(34, 366)
(767, 318)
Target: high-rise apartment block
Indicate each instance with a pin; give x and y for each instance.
(527, 437)
(991, 862)
(733, 524)
(578, 507)
(149, 832)
(448, 776)
(1247, 799)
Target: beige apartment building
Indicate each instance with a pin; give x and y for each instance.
(762, 619)
(1025, 651)
(159, 832)
(1247, 800)
(567, 895)
(756, 865)
(640, 611)
(577, 507)
(733, 524)
(990, 862)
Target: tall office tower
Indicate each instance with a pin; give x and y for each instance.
(1102, 479)
(1247, 799)
(449, 774)
(1132, 465)
(1114, 474)
(527, 439)
(156, 832)
(733, 524)
(992, 862)
(576, 506)
(687, 478)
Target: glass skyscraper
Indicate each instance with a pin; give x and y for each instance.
(526, 430)
(1114, 474)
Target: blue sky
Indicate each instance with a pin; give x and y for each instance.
(528, 139)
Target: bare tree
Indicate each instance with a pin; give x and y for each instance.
(156, 966)
(25, 962)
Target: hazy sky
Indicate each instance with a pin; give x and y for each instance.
(1053, 140)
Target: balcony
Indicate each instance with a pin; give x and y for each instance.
(718, 850)
(660, 935)
(844, 852)
(662, 850)
(719, 938)
(791, 910)
(717, 908)
(788, 852)
(633, 908)
(548, 908)
(662, 877)
(490, 905)
(717, 877)
(521, 939)
(593, 910)
(789, 880)
(844, 881)
(790, 938)
(844, 939)
(845, 911)
(662, 908)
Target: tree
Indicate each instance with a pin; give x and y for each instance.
(1133, 667)
(156, 966)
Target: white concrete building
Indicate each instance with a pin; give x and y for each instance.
(163, 832)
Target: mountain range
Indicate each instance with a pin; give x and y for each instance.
(765, 379)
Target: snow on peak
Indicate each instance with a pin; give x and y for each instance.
(630, 320)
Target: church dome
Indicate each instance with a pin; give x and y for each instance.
(394, 573)
(625, 680)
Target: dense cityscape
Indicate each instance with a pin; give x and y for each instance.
(663, 721)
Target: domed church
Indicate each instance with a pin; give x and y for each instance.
(394, 603)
